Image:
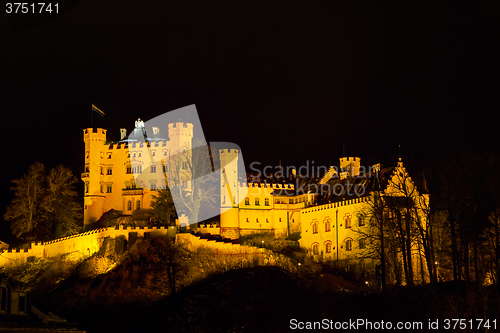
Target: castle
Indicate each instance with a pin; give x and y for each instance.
(329, 213)
(110, 167)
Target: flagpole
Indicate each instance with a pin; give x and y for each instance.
(92, 118)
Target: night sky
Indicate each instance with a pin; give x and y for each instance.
(289, 80)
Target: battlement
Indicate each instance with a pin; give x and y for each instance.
(268, 185)
(229, 151)
(335, 205)
(94, 134)
(177, 129)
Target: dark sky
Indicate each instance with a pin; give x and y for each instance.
(294, 80)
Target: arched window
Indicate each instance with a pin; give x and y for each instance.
(257, 202)
(347, 220)
(129, 205)
(348, 244)
(247, 201)
(328, 247)
(315, 249)
(315, 227)
(327, 224)
(138, 205)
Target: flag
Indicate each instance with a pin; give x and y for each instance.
(97, 110)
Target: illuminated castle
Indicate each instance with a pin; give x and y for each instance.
(110, 167)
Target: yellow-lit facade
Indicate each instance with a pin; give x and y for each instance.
(109, 181)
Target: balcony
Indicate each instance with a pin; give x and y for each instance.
(132, 191)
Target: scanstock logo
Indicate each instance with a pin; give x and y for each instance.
(197, 174)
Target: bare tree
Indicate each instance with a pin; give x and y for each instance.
(24, 211)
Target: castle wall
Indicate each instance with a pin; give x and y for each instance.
(80, 245)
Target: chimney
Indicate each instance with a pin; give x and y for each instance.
(123, 133)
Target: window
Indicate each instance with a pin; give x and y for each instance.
(348, 245)
(87, 155)
(153, 168)
(257, 202)
(267, 220)
(22, 304)
(328, 247)
(109, 188)
(184, 165)
(87, 169)
(327, 225)
(138, 205)
(164, 153)
(362, 244)
(86, 187)
(361, 220)
(153, 153)
(129, 205)
(109, 156)
(129, 169)
(140, 153)
(165, 168)
(153, 187)
(248, 220)
(347, 220)
(315, 248)
(315, 227)
(266, 201)
(109, 171)
(247, 201)
(3, 303)
(102, 171)
(102, 188)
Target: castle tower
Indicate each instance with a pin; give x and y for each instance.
(229, 196)
(181, 135)
(93, 176)
(351, 165)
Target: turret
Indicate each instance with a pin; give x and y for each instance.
(350, 165)
(93, 174)
(229, 196)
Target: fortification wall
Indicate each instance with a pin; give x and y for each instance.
(193, 243)
(84, 244)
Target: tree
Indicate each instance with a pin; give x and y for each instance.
(44, 206)
(24, 211)
(162, 207)
(193, 183)
(60, 203)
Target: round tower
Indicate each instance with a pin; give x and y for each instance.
(229, 194)
(93, 174)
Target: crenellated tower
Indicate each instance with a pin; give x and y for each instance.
(94, 139)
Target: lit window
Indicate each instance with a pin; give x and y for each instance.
(327, 225)
(315, 248)
(328, 247)
(315, 227)
(247, 201)
(348, 245)
(266, 202)
(347, 220)
(257, 202)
